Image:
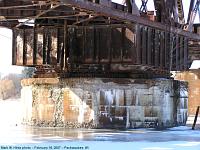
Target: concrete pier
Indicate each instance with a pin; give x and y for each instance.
(103, 103)
(193, 79)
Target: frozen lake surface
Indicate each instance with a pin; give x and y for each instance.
(20, 137)
(178, 138)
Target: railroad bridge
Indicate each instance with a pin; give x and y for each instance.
(102, 64)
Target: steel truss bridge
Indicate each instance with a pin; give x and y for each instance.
(100, 38)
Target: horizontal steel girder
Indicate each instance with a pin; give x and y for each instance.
(107, 11)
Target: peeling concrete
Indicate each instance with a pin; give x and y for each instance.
(103, 103)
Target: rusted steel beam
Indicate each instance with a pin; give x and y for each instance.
(185, 53)
(35, 46)
(58, 46)
(166, 49)
(109, 43)
(156, 48)
(181, 53)
(138, 44)
(123, 43)
(149, 46)
(95, 56)
(14, 49)
(177, 53)
(124, 16)
(22, 6)
(97, 45)
(49, 47)
(65, 43)
(38, 15)
(85, 20)
(44, 46)
(24, 48)
(162, 50)
(46, 17)
(144, 45)
(190, 10)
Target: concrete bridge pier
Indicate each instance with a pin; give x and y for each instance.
(103, 103)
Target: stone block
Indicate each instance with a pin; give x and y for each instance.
(145, 100)
(130, 97)
(136, 113)
(119, 98)
(150, 111)
(120, 111)
(39, 81)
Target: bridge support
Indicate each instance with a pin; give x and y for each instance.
(102, 103)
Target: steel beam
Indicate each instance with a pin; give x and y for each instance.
(14, 49)
(144, 45)
(162, 50)
(156, 48)
(38, 15)
(124, 16)
(49, 47)
(138, 44)
(65, 43)
(24, 48)
(166, 49)
(149, 46)
(185, 53)
(181, 53)
(44, 46)
(35, 39)
(177, 53)
(58, 46)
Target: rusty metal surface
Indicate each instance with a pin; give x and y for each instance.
(98, 37)
(96, 49)
(194, 46)
(126, 16)
(71, 9)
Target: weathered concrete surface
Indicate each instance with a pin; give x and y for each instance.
(112, 103)
(193, 79)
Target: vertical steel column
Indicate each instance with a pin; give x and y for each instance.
(144, 45)
(123, 43)
(181, 53)
(14, 48)
(171, 51)
(49, 47)
(35, 51)
(157, 46)
(24, 47)
(65, 65)
(162, 49)
(44, 46)
(149, 46)
(177, 53)
(138, 44)
(166, 49)
(58, 46)
(185, 53)
(109, 43)
(95, 46)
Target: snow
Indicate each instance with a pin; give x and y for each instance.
(178, 138)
